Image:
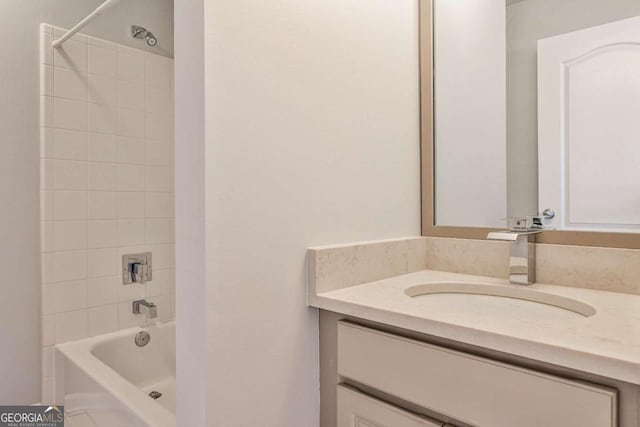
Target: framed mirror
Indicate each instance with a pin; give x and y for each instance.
(531, 106)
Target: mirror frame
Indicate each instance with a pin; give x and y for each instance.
(429, 228)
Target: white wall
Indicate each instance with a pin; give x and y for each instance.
(19, 153)
(470, 112)
(191, 307)
(310, 137)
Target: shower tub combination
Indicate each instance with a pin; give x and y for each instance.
(117, 380)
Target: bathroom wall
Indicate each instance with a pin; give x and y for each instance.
(527, 22)
(310, 136)
(19, 159)
(106, 186)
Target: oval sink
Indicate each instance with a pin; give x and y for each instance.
(496, 297)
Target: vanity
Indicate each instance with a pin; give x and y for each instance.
(519, 304)
(422, 347)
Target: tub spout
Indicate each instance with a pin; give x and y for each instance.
(152, 309)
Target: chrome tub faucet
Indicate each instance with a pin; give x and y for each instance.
(151, 308)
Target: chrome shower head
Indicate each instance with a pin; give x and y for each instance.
(142, 33)
(151, 39)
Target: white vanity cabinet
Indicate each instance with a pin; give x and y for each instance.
(359, 410)
(463, 388)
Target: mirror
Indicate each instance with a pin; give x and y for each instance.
(537, 107)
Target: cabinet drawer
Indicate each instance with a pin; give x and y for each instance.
(359, 410)
(471, 389)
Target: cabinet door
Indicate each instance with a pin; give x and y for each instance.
(468, 388)
(358, 410)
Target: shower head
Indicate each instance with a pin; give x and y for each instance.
(151, 39)
(142, 33)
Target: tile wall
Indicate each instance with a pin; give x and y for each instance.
(106, 186)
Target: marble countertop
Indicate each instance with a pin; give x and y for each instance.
(606, 344)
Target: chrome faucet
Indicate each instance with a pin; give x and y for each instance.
(152, 309)
(522, 249)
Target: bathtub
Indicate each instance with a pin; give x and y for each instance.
(105, 381)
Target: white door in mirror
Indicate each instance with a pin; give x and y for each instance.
(589, 127)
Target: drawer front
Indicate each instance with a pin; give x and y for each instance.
(471, 389)
(358, 410)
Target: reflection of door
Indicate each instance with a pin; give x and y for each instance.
(589, 127)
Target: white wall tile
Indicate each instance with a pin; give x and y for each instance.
(70, 235)
(70, 296)
(47, 390)
(102, 320)
(102, 290)
(46, 79)
(102, 176)
(48, 299)
(131, 63)
(70, 205)
(102, 60)
(101, 147)
(158, 99)
(48, 337)
(131, 150)
(46, 236)
(158, 231)
(159, 205)
(159, 126)
(46, 50)
(102, 205)
(71, 54)
(46, 111)
(131, 95)
(102, 234)
(47, 361)
(159, 71)
(69, 83)
(69, 114)
(105, 189)
(126, 318)
(69, 144)
(70, 326)
(46, 174)
(131, 123)
(131, 178)
(162, 283)
(159, 153)
(102, 90)
(102, 118)
(163, 256)
(69, 266)
(133, 291)
(131, 232)
(46, 268)
(131, 204)
(47, 204)
(159, 178)
(69, 175)
(46, 142)
(103, 262)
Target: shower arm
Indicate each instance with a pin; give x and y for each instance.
(108, 4)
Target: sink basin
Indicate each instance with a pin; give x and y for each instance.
(512, 299)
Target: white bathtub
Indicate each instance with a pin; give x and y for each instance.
(105, 381)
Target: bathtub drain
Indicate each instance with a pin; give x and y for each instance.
(155, 394)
